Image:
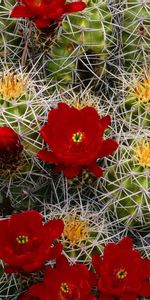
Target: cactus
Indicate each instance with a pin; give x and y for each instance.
(83, 38)
(135, 32)
(135, 107)
(76, 60)
(10, 32)
(85, 229)
(21, 107)
(128, 183)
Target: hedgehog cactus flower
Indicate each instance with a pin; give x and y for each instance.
(45, 12)
(123, 273)
(10, 147)
(75, 137)
(25, 243)
(63, 283)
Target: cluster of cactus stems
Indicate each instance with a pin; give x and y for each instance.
(96, 58)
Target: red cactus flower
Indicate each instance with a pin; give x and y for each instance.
(123, 273)
(26, 243)
(75, 138)
(26, 296)
(10, 146)
(64, 282)
(45, 12)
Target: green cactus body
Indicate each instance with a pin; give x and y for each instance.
(134, 112)
(136, 32)
(128, 185)
(20, 108)
(82, 35)
(10, 34)
(84, 231)
(135, 108)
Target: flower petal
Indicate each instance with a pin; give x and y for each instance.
(69, 172)
(63, 106)
(96, 262)
(107, 297)
(146, 267)
(129, 297)
(108, 147)
(42, 23)
(126, 243)
(95, 169)
(105, 121)
(20, 11)
(47, 156)
(39, 290)
(62, 262)
(35, 266)
(54, 229)
(90, 297)
(11, 269)
(55, 251)
(145, 289)
(74, 7)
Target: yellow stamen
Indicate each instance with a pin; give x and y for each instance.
(81, 103)
(142, 153)
(11, 86)
(77, 137)
(142, 91)
(75, 230)
(37, 2)
(22, 239)
(64, 287)
(121, 274)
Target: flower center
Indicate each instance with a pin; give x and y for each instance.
(142, 154)
(22, 239)
(121, 274)
(77, 137)
(75, 230)
(142, 91)
(64, 287)
(37, 2)
(11, 86)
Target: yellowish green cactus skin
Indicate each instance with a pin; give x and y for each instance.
(10, 33)
(128, 184)
(136, 32)
(135, 112)
(135, 108)
(84, 34)
(20, 108)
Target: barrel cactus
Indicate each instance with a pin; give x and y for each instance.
(21, 106)
(135, 32)
(128, 183)
(135, 106)
(11, 42)
(85, 229)
(82, 42)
